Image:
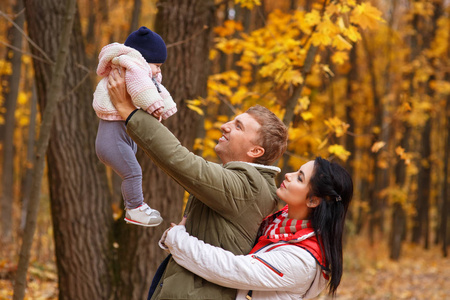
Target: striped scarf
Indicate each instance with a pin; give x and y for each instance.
(279, 227)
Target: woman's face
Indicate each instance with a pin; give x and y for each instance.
(295, 187)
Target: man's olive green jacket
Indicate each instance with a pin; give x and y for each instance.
(226, 205)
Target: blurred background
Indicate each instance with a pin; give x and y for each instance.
(364, 83)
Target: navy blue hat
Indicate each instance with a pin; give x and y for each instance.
(149, 44)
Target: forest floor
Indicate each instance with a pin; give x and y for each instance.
(368, 272)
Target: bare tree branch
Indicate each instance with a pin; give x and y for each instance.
(188, 39)
(26, 36)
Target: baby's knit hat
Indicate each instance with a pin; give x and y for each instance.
(149, 44)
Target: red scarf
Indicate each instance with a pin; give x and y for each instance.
(278, 227)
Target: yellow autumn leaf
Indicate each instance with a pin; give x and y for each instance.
(198, 144)
(352, 33)
(366, 16)
(5, 67)
(326, 30)
(291, 77)
(195, 102)
(377, 146)
(196, 109)
(23, 121)
(442, 87)
(248, 3)
(221, 119)
(339, 151)
(214, 134)
(399, 151)
(26, 59)
(239, 95)
(322, 144)
(22, 98)
(403, 155)
(227, 46)
(229, 27)
(406, 106)
(336, 126)
(304, 102)
(307, 115)
(383, 164)
(340, 43)
(294, 133)
(213, 53)
(312, 18)
(339, 57)
(423, 8)
(319, 38)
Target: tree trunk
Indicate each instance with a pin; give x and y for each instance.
(184, 75)
(350, 140)
(398, 231)
(375, 202)
(422, 222)
(28, 176)
(44, 137)
(446, 187)
(7, 198)
(134, 25)
(351, 79)
(81, 212)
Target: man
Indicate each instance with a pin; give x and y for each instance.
(227, 202)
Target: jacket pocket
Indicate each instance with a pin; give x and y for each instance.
(278, 272)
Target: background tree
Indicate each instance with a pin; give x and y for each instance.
(11, 91)
(185, 27)
(81, 214)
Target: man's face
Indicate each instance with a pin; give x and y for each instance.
(238, 138)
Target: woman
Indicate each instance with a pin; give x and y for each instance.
(288, 260)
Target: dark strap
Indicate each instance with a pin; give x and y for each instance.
(249, 295)
(130, 115)
(158, 275)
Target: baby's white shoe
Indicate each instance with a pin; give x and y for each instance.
(143, 215)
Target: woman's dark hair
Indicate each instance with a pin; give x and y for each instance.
(333, 185)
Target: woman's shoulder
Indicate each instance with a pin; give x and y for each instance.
(292, 255)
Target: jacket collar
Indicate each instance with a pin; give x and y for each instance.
(259, 166)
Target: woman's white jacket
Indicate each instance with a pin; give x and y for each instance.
(287, 272)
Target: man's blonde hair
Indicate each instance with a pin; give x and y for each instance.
(273, 134)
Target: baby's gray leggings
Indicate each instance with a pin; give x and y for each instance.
(116, 149)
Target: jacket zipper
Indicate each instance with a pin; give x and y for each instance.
(268, 265)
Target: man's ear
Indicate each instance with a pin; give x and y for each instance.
(256, 151)
(313, 202)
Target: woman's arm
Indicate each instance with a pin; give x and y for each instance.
(286, 268)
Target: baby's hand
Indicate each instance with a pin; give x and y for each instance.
(157, 113)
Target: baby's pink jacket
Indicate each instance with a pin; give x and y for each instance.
(138, 78)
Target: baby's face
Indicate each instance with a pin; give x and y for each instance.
(156, 68)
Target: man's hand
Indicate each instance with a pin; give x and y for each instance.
(118, 92)
(158, 113)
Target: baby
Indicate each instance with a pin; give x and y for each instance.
(141, 56)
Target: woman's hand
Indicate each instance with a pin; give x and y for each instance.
(118, 94)
(162, 241)
(183, 222)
